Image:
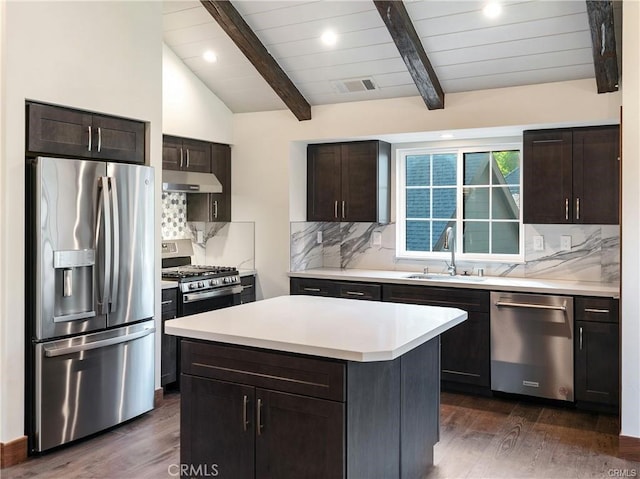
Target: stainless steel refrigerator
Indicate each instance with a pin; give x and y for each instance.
(90, 297)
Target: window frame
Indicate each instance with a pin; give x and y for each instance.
(401, 188)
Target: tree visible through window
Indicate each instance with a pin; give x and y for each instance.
(477, 191)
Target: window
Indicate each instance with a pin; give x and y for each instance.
(474, 191)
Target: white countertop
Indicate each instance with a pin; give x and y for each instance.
(492, 283)
(336, 328)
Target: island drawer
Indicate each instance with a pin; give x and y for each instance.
(321, 378)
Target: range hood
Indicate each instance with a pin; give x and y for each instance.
(190, 182)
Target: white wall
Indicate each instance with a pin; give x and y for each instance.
(264, 158)
(5, 366)
(102, 56)
(189, 108)
(630, 337)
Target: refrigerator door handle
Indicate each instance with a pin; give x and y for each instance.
(52, 351)
(115, 223)
(104, 212)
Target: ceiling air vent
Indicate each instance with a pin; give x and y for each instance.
(353, 85)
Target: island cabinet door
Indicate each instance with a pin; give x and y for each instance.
(298, 437)
(217, 433)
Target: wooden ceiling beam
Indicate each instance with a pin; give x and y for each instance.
(396, 18)
(603, 41)
(246, 40)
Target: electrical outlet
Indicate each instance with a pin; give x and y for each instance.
(376, 238)
(565, 243)
(538, 243)
(319, 237)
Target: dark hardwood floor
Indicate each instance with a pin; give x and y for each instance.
(479, 438)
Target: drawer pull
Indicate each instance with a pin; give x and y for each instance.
(355, 293)
(247, 286)
(599, 311)
(168, 301)
(313, 290)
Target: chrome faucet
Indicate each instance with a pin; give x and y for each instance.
(449, 245)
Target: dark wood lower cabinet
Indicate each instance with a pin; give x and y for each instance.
(220, 436)
(298, 436)
(269, 414)
(292, 436)
(168, 343)
(465, 355)
(597, 353)
(249, 289)
(336, 289)
(466, 348)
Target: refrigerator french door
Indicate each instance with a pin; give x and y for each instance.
(90, 297)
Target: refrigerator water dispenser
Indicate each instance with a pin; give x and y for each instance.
(73, 284)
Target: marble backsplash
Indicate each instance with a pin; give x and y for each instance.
(594, 256)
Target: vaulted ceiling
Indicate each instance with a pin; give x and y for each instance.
(529, 42)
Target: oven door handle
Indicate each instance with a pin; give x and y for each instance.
(214, 293)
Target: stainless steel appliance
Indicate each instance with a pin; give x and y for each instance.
(90, 297)
(532, 345)
(201, 288)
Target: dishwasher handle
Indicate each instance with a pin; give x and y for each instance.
(532, 305)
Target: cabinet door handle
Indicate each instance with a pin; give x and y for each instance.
(355, 293)
(313, 290)
(259, 417)
(245, 422)
(187, 157)
(99, 138)
(168, 301)
(215, 209)
(181, 155)
(593, 310)
(343, 202)
(335, 209)
(89, 128)
(566, 209)
(580, 338)
(577, 208)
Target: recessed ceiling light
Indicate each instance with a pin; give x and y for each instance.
(329, 38)
(492, 9)
(446, 136)
(209, 56)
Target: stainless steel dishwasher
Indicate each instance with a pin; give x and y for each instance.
(532, 345)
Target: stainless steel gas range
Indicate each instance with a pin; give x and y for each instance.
(200, 288)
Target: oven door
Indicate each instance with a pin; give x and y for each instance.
(202, 301)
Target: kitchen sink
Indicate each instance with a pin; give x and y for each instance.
(447, 277)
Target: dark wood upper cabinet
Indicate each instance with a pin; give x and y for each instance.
(596, 175)
(571, 175)
(349, 182)
(221, 167)
(214, 207)
(185, 154)
(67, 132)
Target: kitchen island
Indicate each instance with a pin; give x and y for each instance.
(300, 386)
